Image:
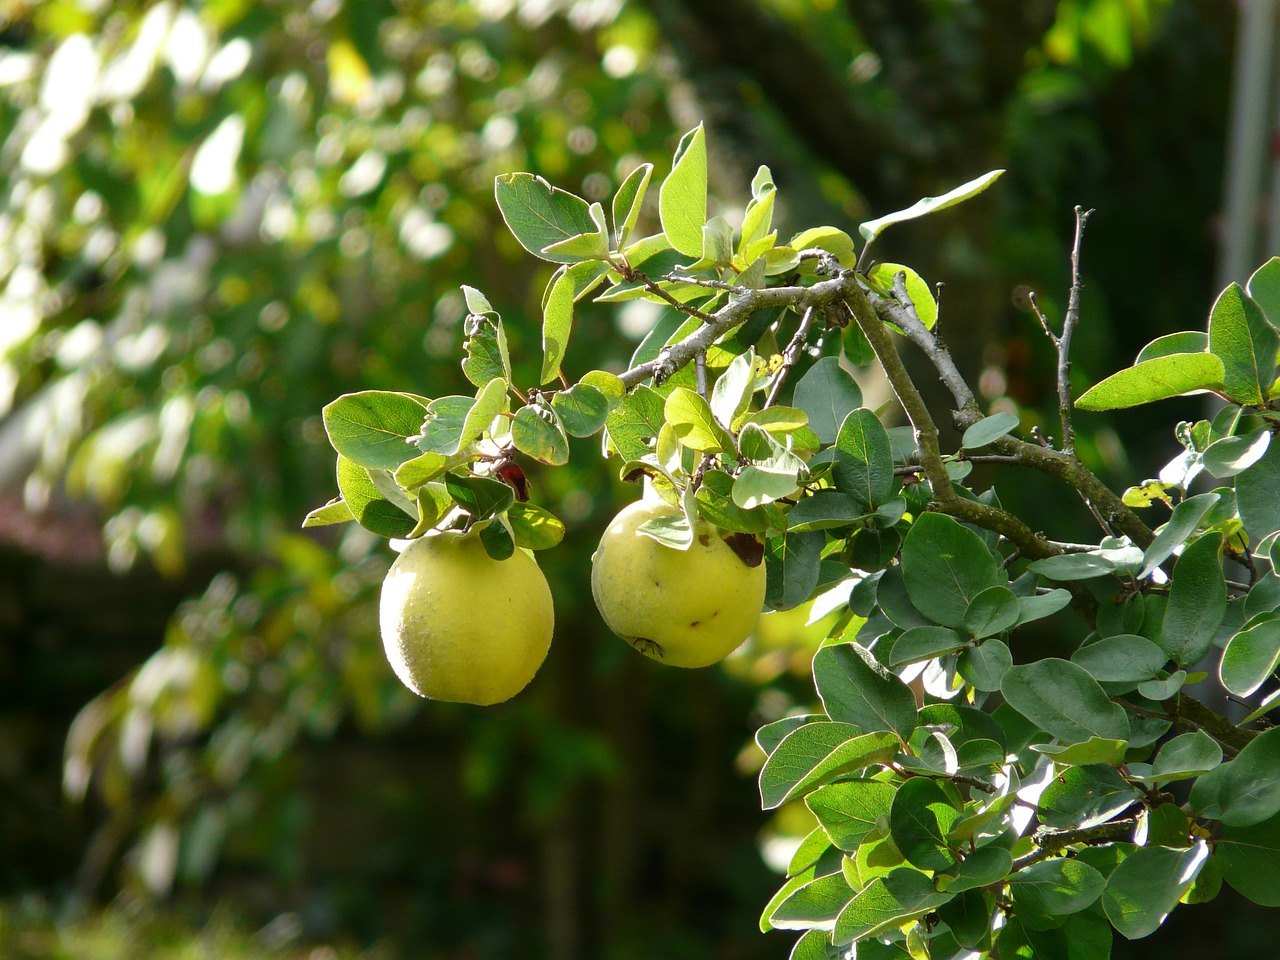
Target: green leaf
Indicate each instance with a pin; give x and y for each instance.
(992, 612)
(1241, 337)
(813, 905)
(855, 688)
(1264, 288)
(540, 215)
(848, 810)
(628, 201)
(375, 428)
(1093, 750)
(424, 468)
(792, 564)
(773, 472)
(1085, 796)
(1256, 495)
(1246, 790)
(985, 665)
(583, 409)
(557, 323)
(816, 753)
(1151, 380)
(1062, 699)
(1250, 658)
(335, 511)
(887, 902)
(1197, 601)
(695, 425)
(1042, 605)
(771, 734)
(534, 527)
(921, 816)
(1185, 756)
(982, 867)
(924, 643)
(831, 239)
(1124, 658)
(441, 428)
(477, 302)
(1148, 884)
(732, 391)
(1073, 566)
(881, 278)
(1162, 688)
(370, 508)
(824, 510)
(1182, 523)
(827, 394)
(1056, 887)
(486, 346)
(717, 243)
(482, 497)
(988, 430)
(633, 426)
(945, 566)
(1186, 341)
(682, 199)
(814, 945)
(1249, 858)
(715, 504)
(490, 401)
(537, 432)
(864, 459)
(873, 228)
(758, 217)
(497, 540)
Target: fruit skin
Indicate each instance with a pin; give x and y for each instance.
(460, 626)
(685, 608)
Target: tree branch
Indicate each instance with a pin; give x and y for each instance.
(1051, 842)
(1063, 342)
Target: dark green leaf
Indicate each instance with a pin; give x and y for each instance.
(983, 866)
(1197, 601)
(1182, 523)
(828, 394)
(1042, 605)
(1085, 796)
(945, 566)
(792, 563)
(924, 643)
(583, 409)
(1246, 790)
(497, 540)
(1056, 886)
(856, 689)
(1093, 750)
(988, 430)
(1249, 858)
(1151, 380)
(1064, 700)
(920, 818)
(1241, 337)
(824, 510)
(1250, 658)
(1187, 755)
(985, 665)
(481, 497)
(815, 904)
(1147, 885)
(1125, 658)
(991, 612)
(864, 459)
(715, 504)
(1256, 495)
(1073, 566)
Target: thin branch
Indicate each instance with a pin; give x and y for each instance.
(1052, 842)
(791, 355)
(1068, 329)
(700, 371)
(1044, 321)
(632, 275)
(732, 315)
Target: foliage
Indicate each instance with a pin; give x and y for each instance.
(998, 807)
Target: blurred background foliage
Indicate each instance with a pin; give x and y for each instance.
(216, 216)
